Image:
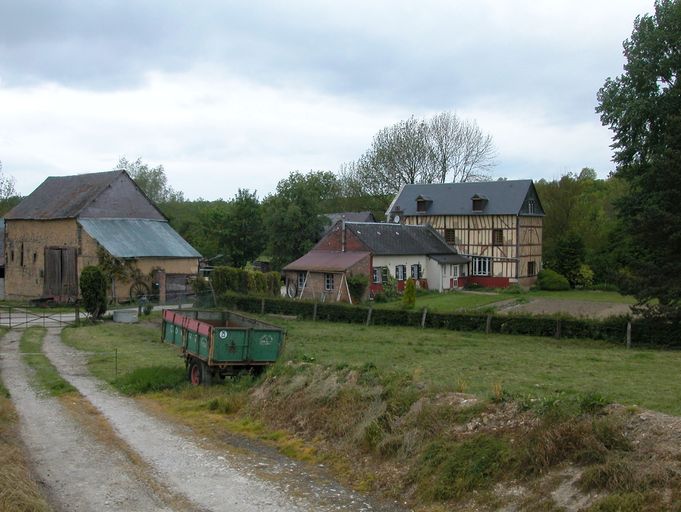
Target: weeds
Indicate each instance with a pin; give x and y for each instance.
(150, 379)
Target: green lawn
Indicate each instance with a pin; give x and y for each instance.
(446, 360)
(120, 348)
(451, 301)
(522, 365)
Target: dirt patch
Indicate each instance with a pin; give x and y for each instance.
(576, 308)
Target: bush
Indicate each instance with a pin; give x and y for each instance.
(93, 290)
(548, 279)
(357, 284)
(585, 277)
(409, 297)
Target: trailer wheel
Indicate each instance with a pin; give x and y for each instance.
(206, 375)
(194, 372)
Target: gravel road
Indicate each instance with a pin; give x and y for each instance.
(244, 480)
(76, 471)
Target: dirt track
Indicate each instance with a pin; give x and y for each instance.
(150, 464)
(576, 308)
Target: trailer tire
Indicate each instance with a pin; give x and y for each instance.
(194, 372)
(206, 375)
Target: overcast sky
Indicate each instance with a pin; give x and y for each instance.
(230, 95)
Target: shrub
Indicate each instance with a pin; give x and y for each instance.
(584, 278)
(551, 280)
(93, 290)
(409, 297)
(230, 279)
(357, 284)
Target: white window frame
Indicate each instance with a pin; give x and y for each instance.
(301, 280)
(376, 275)
(401, 272)
(419, 272)
(328, 282)
(481, 266)
(531, 204)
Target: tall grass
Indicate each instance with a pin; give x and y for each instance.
(45, 375)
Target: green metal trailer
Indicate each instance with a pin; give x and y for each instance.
(216, 344)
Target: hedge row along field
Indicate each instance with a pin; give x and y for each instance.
(643, 331)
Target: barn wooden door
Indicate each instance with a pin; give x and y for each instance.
(60, 273)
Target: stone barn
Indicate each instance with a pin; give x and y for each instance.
(104, 219)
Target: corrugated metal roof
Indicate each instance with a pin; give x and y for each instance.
(62, 197)
(138, 238)
(503, 198)
(388, 238)
(327, 261)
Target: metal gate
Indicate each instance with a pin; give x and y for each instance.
(21, 317)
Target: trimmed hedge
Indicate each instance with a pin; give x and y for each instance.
(230, 279)
(644, 331)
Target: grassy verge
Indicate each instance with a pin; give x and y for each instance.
(46, 376)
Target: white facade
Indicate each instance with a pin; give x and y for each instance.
(440, 277)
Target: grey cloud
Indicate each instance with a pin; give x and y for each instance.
(111, 44)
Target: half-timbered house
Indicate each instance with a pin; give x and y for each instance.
(498, 224)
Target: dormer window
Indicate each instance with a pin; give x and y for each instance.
(479, 203)
(422, 203)
(531, 206)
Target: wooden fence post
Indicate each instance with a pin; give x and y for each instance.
(628, 334)
(371, 308)
(558, 325)
(423, 317)
(488, 325)
(262, 306)
(314, 312)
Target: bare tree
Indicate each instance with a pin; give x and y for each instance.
(459, 150)
(7, 189)
(443, 148)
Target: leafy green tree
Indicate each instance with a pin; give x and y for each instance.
(642, 108)
(292, 216)
(569, 257)
(152, 180)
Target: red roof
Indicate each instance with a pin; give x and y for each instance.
(327, 261)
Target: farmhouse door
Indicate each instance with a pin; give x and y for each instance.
(60, 273)
(446, 276)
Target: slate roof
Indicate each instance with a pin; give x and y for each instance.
(384, 238)
(503, 198)
(351, 217)
(138, 238)
(63, 197)
(327, 261)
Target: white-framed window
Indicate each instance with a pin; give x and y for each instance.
(376, 275)
(481, 266)
(301, 280)
(401, 272)
(328, 282)
(416, 271)
(531, 206)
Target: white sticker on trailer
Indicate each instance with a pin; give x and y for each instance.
(266, 339)
(223, 334)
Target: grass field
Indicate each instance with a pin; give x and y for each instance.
(585, 295)
(447, 360)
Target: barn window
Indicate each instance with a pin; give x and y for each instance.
(35, 257)
(401, 272)
(328, 282)
(12, 256)
(21, 256)
(481, 266)
(531, 206)
(497, 237)
(531, 268)
(301, 280)
(450, 236)
(421, 206)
